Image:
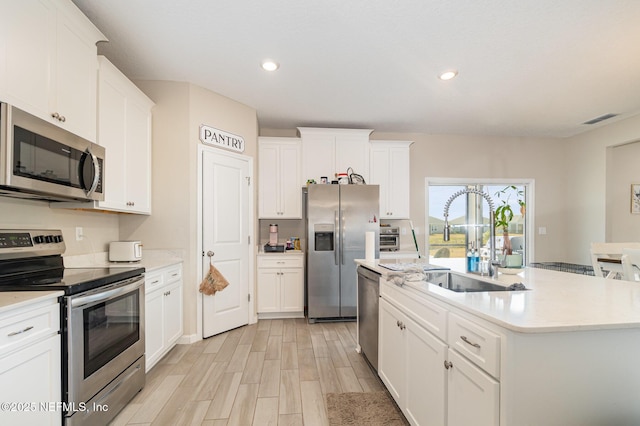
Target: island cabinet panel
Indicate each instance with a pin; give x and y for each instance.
(501, 372)
(48, 63)
(473, 396)
(389, 167)
(411, 365)
(430, 381)
(326, 152)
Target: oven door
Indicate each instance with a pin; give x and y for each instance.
(105, 336)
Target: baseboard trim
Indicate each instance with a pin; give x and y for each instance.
(187, 339)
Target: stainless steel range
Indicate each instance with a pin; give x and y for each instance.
(102, 314)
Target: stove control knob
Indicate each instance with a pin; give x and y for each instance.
(38, 239)
(49, 238)
(58, 238)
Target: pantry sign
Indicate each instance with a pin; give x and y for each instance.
(220, 138)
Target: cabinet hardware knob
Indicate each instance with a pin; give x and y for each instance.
(63, 118)
(448, 364)
(398, 323)
(24, 330)
(468, 342)
(55, 115)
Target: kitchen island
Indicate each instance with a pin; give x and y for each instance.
(563, 352)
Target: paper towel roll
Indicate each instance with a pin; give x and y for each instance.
(370, 246)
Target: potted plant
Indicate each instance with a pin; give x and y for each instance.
(504, 215)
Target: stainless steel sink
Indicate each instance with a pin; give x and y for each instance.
(462, 283)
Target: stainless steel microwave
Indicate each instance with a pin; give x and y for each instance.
(39, 160)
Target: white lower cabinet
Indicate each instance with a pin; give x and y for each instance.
(30, 365)
(432, 383)
(473, 396)
(163, 312)
(411, 365)
(280, 286)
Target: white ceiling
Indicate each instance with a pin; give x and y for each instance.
(526, 68)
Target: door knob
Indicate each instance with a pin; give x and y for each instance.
(210, 253)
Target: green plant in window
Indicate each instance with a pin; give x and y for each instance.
(504, 213)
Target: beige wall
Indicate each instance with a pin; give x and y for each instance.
(493, 157)
(586, 201)
(98, 228)
(623, 169)
(180, 110)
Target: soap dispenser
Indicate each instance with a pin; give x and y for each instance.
(470, 258)
(476, 261)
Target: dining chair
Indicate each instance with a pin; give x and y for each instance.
(631, 264)
(606, 258)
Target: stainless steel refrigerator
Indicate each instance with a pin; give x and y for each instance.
(338, 217)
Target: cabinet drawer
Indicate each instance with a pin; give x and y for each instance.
(427, 314)
(172, 274)
(479, 345)
(275, 261)
(28, 325)
(153, 281)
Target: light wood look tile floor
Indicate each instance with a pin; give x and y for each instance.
(275, 372)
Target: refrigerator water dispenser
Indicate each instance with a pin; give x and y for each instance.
(323, 236)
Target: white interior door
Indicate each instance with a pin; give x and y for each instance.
(225, 232)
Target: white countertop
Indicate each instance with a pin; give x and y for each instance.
(151, 260)
(261, 252)
(556, 301)
(16, 299)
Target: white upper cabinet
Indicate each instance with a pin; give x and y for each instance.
(390, 168)
(48, 63)
(279, 186)
(326, 152)
(124, 129)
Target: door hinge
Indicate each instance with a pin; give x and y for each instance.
(249, 297)
(248, 180)
(249, 239)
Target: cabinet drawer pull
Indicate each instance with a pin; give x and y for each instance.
(448, 364)
(468, 342)
(155, 281)
(15, 333)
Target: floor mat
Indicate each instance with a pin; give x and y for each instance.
(363, 408)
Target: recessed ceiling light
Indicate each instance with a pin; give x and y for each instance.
(448, 75)
(269, 65)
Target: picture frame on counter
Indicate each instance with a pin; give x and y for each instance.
(635, 198)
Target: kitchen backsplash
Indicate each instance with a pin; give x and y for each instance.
(98, 229)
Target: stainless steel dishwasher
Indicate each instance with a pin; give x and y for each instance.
(368, 300)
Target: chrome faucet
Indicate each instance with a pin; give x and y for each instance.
(492, 227)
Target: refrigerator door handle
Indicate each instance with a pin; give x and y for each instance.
(342, 232)
(335, 236)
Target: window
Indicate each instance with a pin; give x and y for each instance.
(469, 216)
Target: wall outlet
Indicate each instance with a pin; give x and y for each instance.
(404, 231)
(79, 233)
